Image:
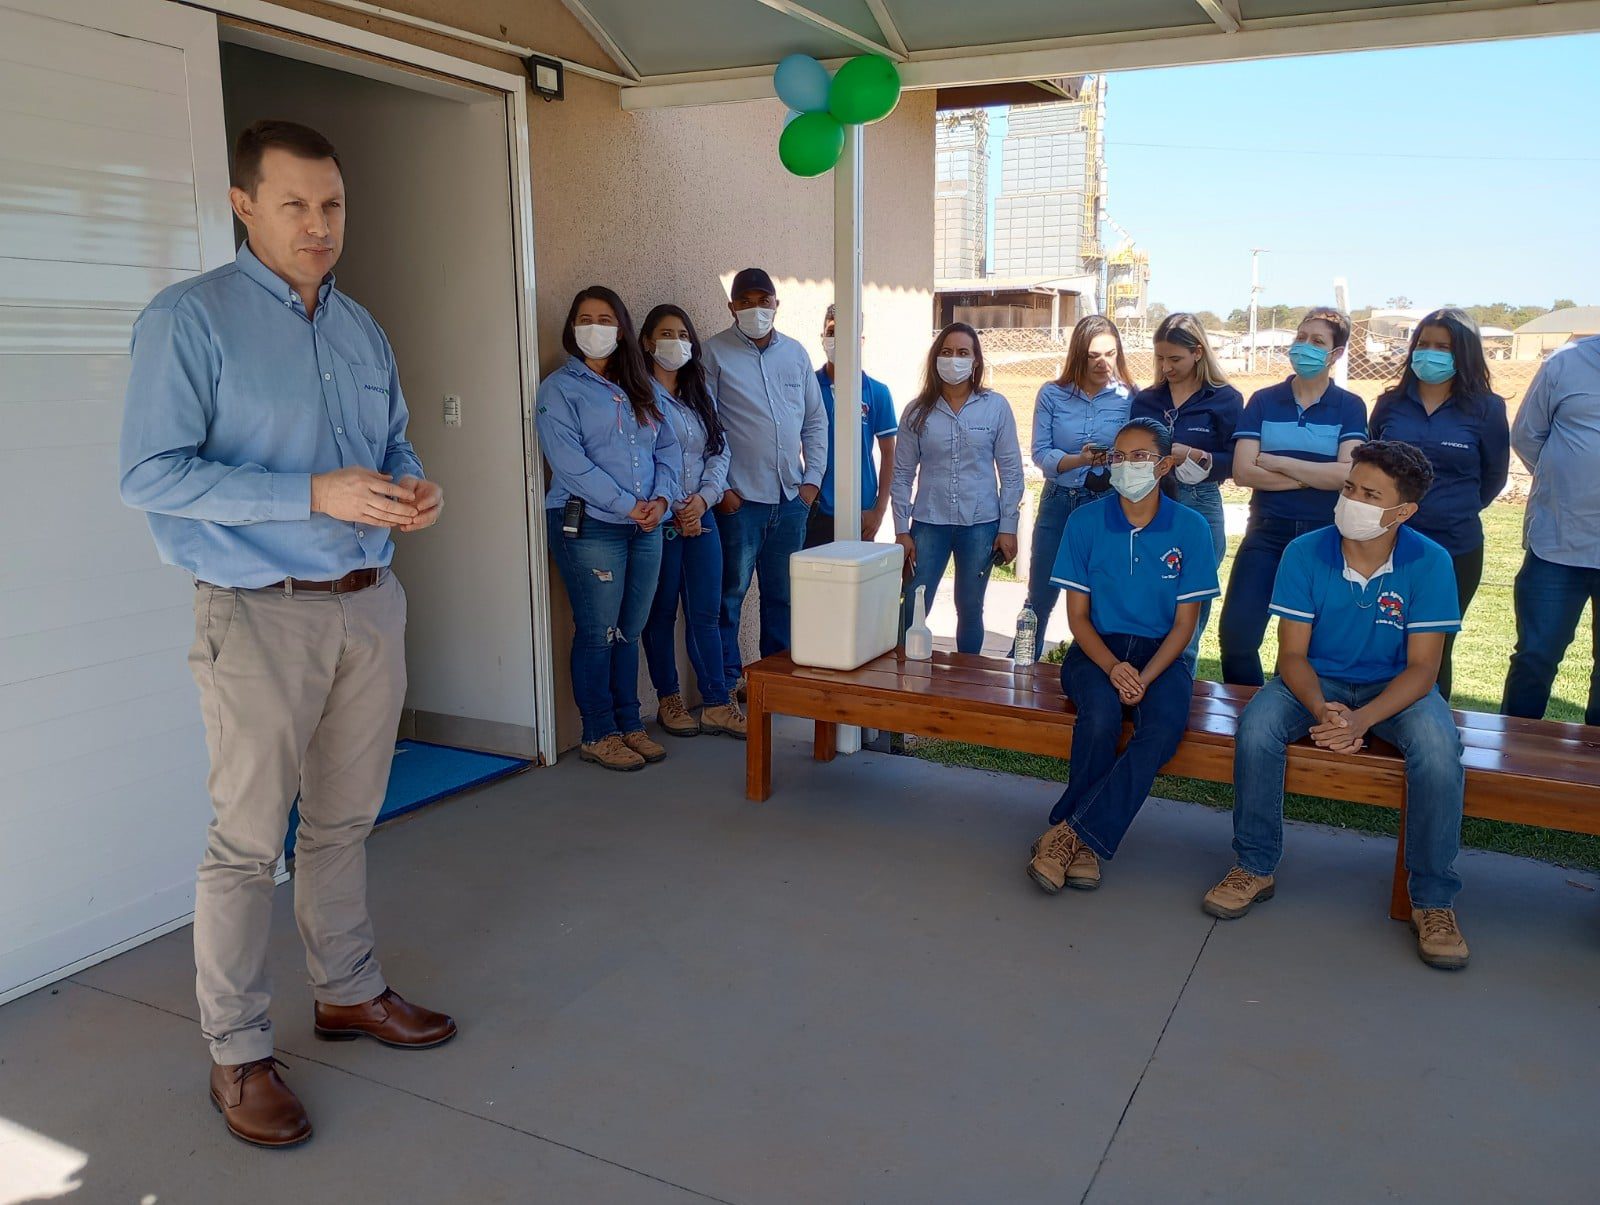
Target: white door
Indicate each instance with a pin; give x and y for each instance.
(113, 181)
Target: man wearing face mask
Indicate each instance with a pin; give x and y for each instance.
(1363, 608)
(878, 422)
(777, 431)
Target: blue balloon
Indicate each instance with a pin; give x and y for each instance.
(790, 115)
(802, 83)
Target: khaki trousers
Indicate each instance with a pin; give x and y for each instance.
(301, 695)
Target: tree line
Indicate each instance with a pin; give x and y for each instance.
(1287, 317)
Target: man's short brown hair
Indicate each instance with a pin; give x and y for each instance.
(1337, 319)
(260, 136)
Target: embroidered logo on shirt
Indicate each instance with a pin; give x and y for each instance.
(1392, 609)
(383, 389)
(1464, 447)
(1172, 560)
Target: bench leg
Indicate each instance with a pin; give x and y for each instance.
(826, 742)
(1400, 890)
(758, 746)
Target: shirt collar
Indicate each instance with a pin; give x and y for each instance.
(777, 338)
(1350, 575)
(1117, 518)
(272, 282)
(577, 367)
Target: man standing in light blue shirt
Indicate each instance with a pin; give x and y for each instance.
(771, 411)
(265, 434)
(1557, 435)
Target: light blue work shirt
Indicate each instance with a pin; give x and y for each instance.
(597, 448)
(1065, 419)
(1557, 435)
(698, 473)
(771, 410)
(967, 466)
(235, 399)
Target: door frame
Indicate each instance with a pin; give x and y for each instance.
(367, 50)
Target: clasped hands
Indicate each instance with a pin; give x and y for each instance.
(1341, 730)
(359, 495)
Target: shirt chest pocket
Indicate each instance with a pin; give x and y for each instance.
(371, 399)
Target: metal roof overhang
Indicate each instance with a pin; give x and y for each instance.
(709, 51)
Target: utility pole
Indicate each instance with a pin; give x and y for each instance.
(1255, 293)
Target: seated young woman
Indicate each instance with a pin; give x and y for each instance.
(1136, 566)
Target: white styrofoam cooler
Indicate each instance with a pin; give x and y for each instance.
(844, 603)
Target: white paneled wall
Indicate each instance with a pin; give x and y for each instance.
(112, 186)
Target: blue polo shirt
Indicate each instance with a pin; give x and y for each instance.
(1135, 577)
(1358, 633)
(1206, 421)
(877, 420)
(1468, 443)
(1273, 417)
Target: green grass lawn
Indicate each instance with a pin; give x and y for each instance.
(1481, 654)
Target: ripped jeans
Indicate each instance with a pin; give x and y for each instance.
(610, 573)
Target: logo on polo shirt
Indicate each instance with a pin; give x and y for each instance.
(1172, 561)
(1392, 609)
(383, 389)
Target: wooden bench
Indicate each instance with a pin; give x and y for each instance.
(1526, 771)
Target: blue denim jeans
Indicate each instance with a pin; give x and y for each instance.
(757, 540)
(1549, 602)
(1244, 610)
(1106, 788)
(691, 572)
(610, 574)
(1056, 503)
(1424, 733)
(1205, 498)
(972, 548)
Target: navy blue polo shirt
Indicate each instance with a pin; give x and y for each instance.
(1358, 632)
(1206, 421)
(1136, 577)
(1468, 443)
(877, 419)
(1273, 417)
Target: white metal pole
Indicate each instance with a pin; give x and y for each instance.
(1255, 291)
(847, 418)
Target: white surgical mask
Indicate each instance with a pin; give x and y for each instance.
(954, 369)
(1192, 472)
(672, 354)
(596, 340)
(828, 343)
(1357, 520)
(1133, 480)
(755, 323)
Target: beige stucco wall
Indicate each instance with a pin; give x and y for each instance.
(667, 205)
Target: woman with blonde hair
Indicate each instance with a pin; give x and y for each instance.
(1192, 399)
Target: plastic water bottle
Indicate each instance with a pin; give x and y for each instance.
(1027, 638)
(919, 637)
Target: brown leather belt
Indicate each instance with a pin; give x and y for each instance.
(356, 579)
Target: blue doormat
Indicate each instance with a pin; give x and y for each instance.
(424, 774)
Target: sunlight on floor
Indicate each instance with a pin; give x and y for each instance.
(35, 1168)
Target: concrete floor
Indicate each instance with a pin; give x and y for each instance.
(852, 993)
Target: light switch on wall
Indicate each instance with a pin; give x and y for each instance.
(452, 409)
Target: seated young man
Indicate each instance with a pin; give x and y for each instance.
(1363, 609)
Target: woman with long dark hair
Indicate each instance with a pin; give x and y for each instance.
(1443, 404)
(1075, 418)
(691, 557)
(614, 463)
(958, 448)
(1192, 397)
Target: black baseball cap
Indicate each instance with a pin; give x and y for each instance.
(752, 280)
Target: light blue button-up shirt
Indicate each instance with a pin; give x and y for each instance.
(771, 409)
(235, 399)
(1557, 435)
(1065, 419)
(967, 467)
(698, 473)
(597, 449)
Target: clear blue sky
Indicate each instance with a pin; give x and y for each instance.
(1337, 184)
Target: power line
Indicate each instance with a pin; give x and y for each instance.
(1290, 150)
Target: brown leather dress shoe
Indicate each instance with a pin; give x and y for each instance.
(387, 1019)
(257, 1105)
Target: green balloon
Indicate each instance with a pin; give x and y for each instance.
(864, 90)
(811, 144)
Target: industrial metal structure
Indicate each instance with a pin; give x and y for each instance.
(961, 194)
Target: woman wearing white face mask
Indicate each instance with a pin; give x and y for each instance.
(1136, 567)
(958, 448)
(614, 465)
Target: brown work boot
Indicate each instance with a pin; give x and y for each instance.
(726, 720)
(257, 1105)
(1060, 860)
(611, 753)
(387, 1019)
(1239, 889)
(675, 719)
(640, 743)
(1439, 940)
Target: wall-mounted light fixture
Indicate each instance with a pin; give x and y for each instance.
(547, 76)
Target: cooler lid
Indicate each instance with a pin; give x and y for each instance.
(847, 560)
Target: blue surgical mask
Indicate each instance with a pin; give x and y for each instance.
(1308, 359)
(1432, 365)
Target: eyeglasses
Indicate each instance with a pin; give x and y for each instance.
(1139, 457)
